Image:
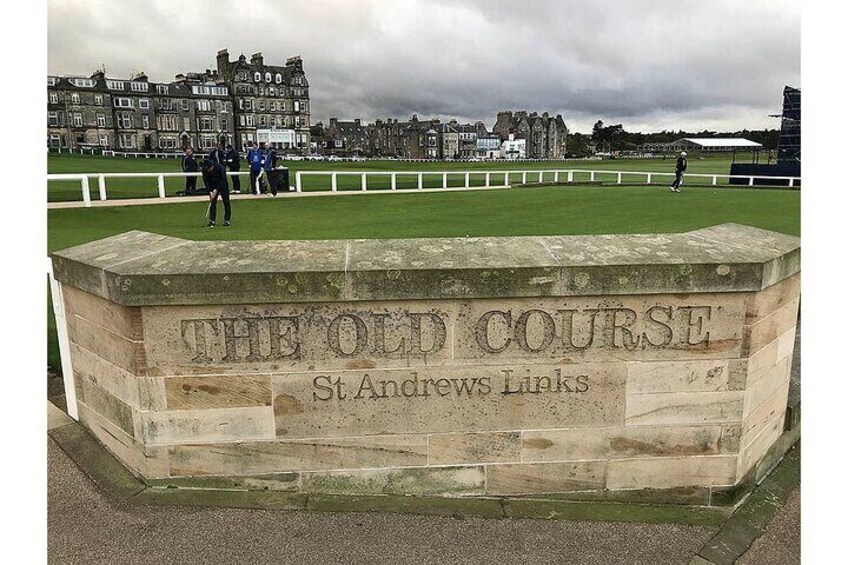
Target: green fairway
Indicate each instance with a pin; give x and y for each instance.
(139, 188)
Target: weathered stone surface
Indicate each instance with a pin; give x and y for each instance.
(125, 353)
(249, 458)
(486, 447)
(766, 412)
(528, 478)
(667, 472)
(145, 460)
(456, 399)
(199, 393)
(206, 426)
(98, 399)
(772, 326)
(684, 408)
(599, 328)
(117, 381)
(121, 320)
(768, 300)
(628, 442)
(756, 447)
(688, 376)
(765, 385)
(423, 481)
(280, 338)
(132, 268)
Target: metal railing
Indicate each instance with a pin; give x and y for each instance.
(490, 179)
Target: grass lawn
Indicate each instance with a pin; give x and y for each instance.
(521, 211)
(136, 188)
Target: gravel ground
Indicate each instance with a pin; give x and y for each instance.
(83, 527)
(781, 543)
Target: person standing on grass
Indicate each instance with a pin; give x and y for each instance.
(679, 169)
(216, 155)
(269, 166)
(233, 162)
(215, 177)
(189, 165)
(254, 159)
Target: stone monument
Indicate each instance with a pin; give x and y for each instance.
(443, 367)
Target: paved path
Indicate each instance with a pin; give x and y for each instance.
(781, 544)
(84, 527)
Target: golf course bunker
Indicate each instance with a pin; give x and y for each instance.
(442, 367)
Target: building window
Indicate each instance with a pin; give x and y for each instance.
(77, 120)
(122, 102)
(98, 99)
(248, 104)
(82, 82)
(267, 77)
(271, 91)
(162, 89)
(104, 140)
(167, 122)
(185, 105)
(282, 105)
(52, 119)
(127, 140)
(242, 76)
(250, 121)
(262, 122)
(144, 103)
(257, 76)
(165, 104)
(145, 121)
(54, 97)
(204, 123)
(296, 105)
(74, 98)
(262, 105)
(51, 81)
(125, 120)
(186, 124)
(115, 85)
(101, 121)
(167, 142)
(204, 105)
(304, 106)
(279, 78)
(55, 140)
(139, 86)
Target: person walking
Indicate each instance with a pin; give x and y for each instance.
(215, 177)
(679, 169)
(233, 162)
(269, 166)
(254, 159)
(189, 165)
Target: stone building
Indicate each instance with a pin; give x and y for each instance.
(347, 138)
(386, 138)
(270, 101)
(545, 135)
(238, 102)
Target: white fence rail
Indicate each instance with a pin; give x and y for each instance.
(64, 345)
(491, 179)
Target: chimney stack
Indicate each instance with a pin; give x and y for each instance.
(256, 59)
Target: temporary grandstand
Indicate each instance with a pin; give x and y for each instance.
(703, 145)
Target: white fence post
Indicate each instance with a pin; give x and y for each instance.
(160, 180)
(751, 181)
(394, 181)
(364, 181)
(334, 183)
(101, 184)
(86, 192)
(618, 178)
(420, 181)
(467, 180)
(791, 182)
(649, 178)
(444, 180)
(488, 178)
(64, 346)
(591, 176)
(556, 177)
(541, 176)
(524, 177)
(715, 180)
(298, 182)
(570, 177)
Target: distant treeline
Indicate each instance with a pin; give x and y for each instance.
(616, 138)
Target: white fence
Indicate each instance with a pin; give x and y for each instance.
(58, 297)
(491, 179)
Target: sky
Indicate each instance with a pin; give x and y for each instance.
(650, 65)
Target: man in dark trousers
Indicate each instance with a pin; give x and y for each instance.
(679, 169)
(216, 155)
(254, 159)
(216, 179)
(233, 161)
(269, 166)
(189, 165)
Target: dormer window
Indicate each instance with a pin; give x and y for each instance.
(257, 76)
(267, 77)
(279, 78)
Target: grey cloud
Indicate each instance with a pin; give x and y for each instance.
(656, 64)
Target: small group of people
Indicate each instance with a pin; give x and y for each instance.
(261, 161)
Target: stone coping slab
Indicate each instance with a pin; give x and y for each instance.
(145, 269)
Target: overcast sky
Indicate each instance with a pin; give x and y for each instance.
(650, 65)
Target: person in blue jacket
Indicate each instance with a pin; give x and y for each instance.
(269, 166)
(255, 159)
